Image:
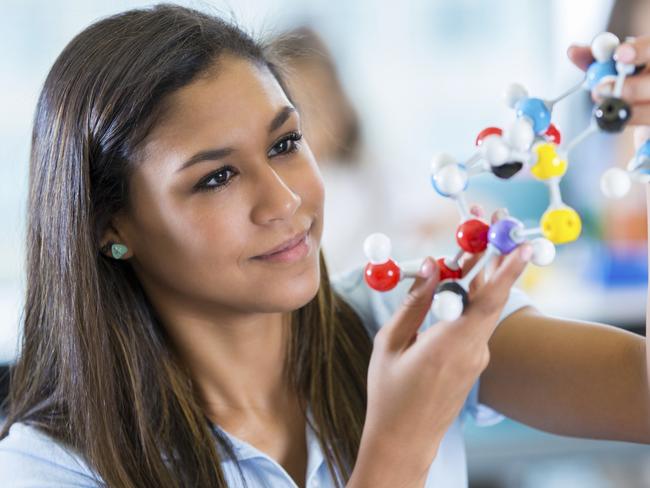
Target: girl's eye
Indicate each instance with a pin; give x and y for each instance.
(219, 177)
(287, 144)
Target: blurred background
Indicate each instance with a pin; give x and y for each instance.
(382, 86)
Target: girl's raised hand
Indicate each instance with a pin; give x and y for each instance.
(419, 381)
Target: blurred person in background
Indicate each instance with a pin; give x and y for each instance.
(359, 200)
(356, 191)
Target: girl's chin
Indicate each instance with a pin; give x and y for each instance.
(295, 297)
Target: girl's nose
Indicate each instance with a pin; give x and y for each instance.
(274, 199)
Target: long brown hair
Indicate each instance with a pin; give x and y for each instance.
(95, 369)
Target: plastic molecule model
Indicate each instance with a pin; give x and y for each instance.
(531, 141)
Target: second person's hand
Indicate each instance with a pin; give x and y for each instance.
(636, 89)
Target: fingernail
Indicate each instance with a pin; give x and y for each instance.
(476, 210)
(426, 270)
(625, 53)
(502, 213)
(526, 252)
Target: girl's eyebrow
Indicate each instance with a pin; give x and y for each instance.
(214, 154)
(281, 118)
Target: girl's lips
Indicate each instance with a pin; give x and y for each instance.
(287, 245)
(291, 254)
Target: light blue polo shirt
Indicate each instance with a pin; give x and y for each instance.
(30, 459)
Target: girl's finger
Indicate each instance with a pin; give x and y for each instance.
(408, 318)
(640, 115)
(477, 283)
(494, 264)
(580, 56)
(499, 214)
(489, 301)
(634, 51)
(477, 211)
(636, 89)
(467, 262)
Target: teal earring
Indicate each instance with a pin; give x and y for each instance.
(118, 250)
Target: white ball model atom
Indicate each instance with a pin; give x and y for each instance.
(520, 134)
(615, 183)
(495, 150)
(543, 251)
(377, 248)
(451, 179)
(603, 46)
(441, 160)
(514, 93)
(447, 305)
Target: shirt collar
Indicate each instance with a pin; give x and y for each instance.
(244, 450)
(314, 453)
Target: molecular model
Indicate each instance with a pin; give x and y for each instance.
(530, 141)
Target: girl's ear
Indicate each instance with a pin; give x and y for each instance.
(114, 243)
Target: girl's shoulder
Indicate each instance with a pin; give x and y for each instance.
(29, 457)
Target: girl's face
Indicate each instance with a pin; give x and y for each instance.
(221, 181)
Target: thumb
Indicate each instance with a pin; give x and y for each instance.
(409, 316)
(580, 56)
